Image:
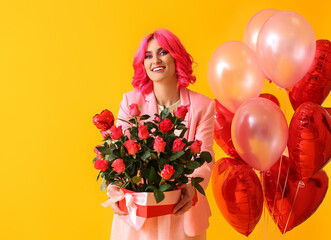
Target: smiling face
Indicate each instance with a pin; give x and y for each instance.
(159, 64)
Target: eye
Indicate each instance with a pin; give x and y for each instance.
(163, 52)
(148, 56)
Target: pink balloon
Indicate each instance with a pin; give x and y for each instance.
(259, 133)
(234, 74)
(254, 26)
(286, 48)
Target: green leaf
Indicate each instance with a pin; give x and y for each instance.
(136, 179)
(192, 165)
(181, 126)
(99, 174)
(123, 152)
(177, 155)
(179, 169)
(199, 188)
(164, 113)
(152, 175)
(103, 185)
(164, 187)
(158, 195)
(197, 179)
(150, 187)
(123, 120)
(206, 156)
(183, 133)
(146, 155)
(104, 150)
(144, 117)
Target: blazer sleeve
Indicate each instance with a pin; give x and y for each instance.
(205, 133)
(124, 113)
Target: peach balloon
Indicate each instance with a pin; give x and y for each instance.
(254, 26)
(286, 48)
(234, 74)
(259, 133)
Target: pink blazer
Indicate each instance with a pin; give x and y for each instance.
(200, 123)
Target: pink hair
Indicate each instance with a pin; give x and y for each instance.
(170, 42)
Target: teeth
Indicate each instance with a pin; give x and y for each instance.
(157, 69)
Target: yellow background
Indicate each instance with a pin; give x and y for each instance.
(61, 62)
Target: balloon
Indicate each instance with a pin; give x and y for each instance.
(238, 194)
(309, 142)
(310, 195)
(286, 48)
(254, 26)
(259, 133)
(234, 74)
(222, 132)
(316, 84)
(270, 97)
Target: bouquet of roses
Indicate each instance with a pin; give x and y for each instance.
(148, 157)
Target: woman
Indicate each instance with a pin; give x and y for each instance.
(163, 70)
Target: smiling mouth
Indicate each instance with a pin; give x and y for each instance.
(157, 69)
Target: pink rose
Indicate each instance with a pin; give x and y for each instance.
(157, 118)
(196, 146)
(181, 112)
(99, 155)
(166, 125)
(178, 145)
(143, 132)
(159, 145)
(167, 171)
(132, 146)
(134, 110)
(118, 165)
(105, 134)
(104, 120)
(101, 165)
(116, 132)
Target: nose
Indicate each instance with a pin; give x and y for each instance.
(156, 59)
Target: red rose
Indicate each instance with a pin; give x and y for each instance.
(99, 155)
(104, 120)
(196, 146)
(101, 165)
(116, 132)
(118, 165)
(181, 112)
(178, 145)
(134, 110)
(165, 125)
(132, 146)
(159, 145)
(143, 132)
(167, 171)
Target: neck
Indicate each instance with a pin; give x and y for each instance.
(166, 94)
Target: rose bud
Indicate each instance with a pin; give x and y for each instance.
(116, 132)
(165, 125)
(167, 171)
(181, 112)
(105, 134)
(132, 146)
(134, 110)
(196, 146)
(178, 145)
(118, 165)
(159, 145)
(143, 132)
(157, 118)
(101, 165)
(99, 155)
(104, 120)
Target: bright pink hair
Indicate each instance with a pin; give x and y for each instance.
(169, 42)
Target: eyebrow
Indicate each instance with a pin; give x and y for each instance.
(157, 50)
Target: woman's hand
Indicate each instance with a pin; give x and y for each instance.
(185, 203)
(117, 210)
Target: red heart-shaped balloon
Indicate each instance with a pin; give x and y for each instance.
(222, 129)
(238, 194)
(309, 141)
(310, 195)
(316, 84)
(270, 97)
